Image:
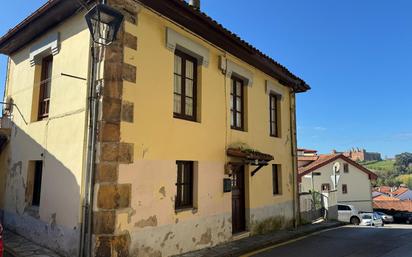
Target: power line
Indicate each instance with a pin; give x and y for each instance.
(52, 79)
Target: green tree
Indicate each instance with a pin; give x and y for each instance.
(403, 162)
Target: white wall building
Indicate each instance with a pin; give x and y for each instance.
(354, 180)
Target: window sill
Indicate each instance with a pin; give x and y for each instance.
(185, 118)
(186, 209)
(39, 120)
(278, 137)
(238, 129)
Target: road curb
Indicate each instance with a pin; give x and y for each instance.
(259, 242)
(283, 240)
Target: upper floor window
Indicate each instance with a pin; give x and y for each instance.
(185, 86)
(184, 196)
(237, 104)
(45, 87)
(346, 168)
(274, 119)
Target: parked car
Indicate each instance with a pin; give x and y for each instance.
(371, 219)
(385, 217)
(403, 217)
(1, 241)
(348, 213)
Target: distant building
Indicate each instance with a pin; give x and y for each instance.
(354, 183)
(357, 154)
(306, 156)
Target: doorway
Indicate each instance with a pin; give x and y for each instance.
(238, 200)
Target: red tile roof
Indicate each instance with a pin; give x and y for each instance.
(384, 189)
(308, 158)
(328, 158)
(321, 160)
(385, 198)
(400, 191)
(405, 205)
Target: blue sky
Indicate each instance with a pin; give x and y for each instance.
(356, 55)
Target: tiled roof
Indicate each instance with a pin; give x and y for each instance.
(328, 158)
(308, 158)
(393, 205)
(400, 191)
(384, 189)
(376, 193)
(320, 161)
(177, 10)
(385, 198)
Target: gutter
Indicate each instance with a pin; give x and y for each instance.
(86, 237)
(87, 205)
(296, 206)
(85, 247)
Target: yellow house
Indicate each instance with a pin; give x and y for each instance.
(176, 137)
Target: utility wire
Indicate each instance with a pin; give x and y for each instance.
(15, 105)
(54, 79)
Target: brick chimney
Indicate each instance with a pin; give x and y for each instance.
(195, 4)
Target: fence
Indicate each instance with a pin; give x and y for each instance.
(315, 205)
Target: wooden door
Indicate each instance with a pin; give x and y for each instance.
(238, 200)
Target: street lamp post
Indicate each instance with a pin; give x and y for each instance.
(104, 23)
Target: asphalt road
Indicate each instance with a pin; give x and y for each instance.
(348, 241)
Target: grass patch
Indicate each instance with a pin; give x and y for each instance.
(383, 166)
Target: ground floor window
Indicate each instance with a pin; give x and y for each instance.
(184, 184)
(36, 178)
(344, 189)
(277, 179)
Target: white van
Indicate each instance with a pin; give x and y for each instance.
(349, 214)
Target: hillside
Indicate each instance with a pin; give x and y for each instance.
(386, 166)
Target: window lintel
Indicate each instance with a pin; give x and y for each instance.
(231, 69)
(175, 40)
(48, 46)
(272, 89)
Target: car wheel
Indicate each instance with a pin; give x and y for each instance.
(408, 222)
(354, 220)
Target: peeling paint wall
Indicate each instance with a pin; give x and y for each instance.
(58, 141)
(155, 227)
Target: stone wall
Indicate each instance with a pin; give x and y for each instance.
(112, 197)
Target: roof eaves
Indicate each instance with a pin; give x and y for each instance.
(326, 161)
(185, 13)
(46, 17)
(177, 10)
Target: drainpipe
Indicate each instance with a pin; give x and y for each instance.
(87, 207)
(296, 207)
